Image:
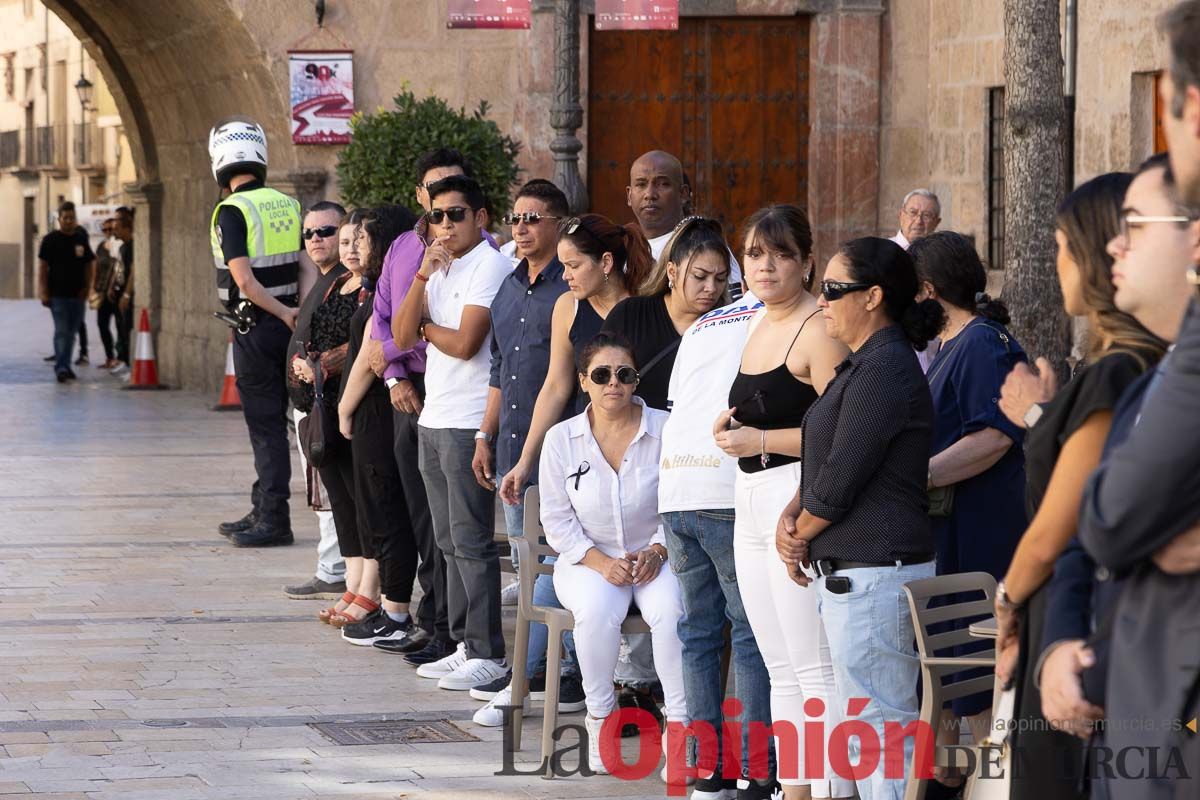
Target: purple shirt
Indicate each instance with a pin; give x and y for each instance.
(400, 265)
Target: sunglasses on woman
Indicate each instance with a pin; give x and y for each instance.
(528, 217)
(836, 290)
(455, 213)
(324, 232)
(602, 375)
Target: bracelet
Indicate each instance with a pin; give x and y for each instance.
(421, 277)
(763, 457)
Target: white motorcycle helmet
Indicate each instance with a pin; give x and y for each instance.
(237, 146)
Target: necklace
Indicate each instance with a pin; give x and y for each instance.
(959, 330)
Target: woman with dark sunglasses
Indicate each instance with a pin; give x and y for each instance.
(859, 518)
(768, 399)
(599, 506)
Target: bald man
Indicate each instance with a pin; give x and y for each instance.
(657, 194)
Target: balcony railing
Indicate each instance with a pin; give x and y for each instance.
(51, 141)
(89, 146)
(10, 149)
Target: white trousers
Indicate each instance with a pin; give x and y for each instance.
(331, 568)
(599, 609)
(784, 618)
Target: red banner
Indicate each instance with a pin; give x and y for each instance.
(637, 15)
(508, 14)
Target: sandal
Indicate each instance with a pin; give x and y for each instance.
(340, 619)
(325, 614)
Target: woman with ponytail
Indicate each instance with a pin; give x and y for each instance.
(603, 263)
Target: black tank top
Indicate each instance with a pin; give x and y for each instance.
(585, 327)
(771, 400)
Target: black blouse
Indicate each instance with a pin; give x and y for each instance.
(644, 321)
(1096, 387)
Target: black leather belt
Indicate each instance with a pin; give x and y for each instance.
(828, 566)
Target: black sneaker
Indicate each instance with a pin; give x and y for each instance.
(434, 650)
(50, 358)
(753, 790)
(415, 638)
(570, 695)
(61, 376)
(247, 522)
(82, 361)
(489, 690)
(632, 698)
(316, 589)
(264, 534)
(714, 787)
(71, 375)
(374, 627)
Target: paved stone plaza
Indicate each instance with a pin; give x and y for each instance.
(143, 657)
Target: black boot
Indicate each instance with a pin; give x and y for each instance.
(242, 525)
(265, 533)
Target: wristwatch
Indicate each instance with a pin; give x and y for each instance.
(1002, 598)
(390, 382)
(1033, 415)
(487, 437)
(421, 331)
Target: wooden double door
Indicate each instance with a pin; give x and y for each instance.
(727, 95)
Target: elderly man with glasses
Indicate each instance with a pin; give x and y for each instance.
(920, 214)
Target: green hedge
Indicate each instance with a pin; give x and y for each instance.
(377, 166)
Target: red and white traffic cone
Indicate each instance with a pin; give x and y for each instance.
(230, 399)
(145, 369)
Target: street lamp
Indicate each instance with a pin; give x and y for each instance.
(84, 88)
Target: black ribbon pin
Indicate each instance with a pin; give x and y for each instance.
(584, 469)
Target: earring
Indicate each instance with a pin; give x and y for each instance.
(808, 278)
(606, 277)
(670, 283)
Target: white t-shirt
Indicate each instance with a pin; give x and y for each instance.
(509, 249)
(455, 389)
(659, 243)
(695, 474)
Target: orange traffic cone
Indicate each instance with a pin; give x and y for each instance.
(145, 369)
(230, 399)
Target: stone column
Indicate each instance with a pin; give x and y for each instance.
(306, 185)
(843, 151)
(566, 115)
(147, 251)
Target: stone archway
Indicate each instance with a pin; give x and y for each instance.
(173, 72)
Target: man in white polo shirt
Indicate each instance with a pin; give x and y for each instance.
(448, 306)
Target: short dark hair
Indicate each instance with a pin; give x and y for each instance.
(441, 157)
(467, 187)
(1158, 161)
(601, 340)
(883, 263)
(327, 205)
(548, 193)
(66, 205)
(1181, 24)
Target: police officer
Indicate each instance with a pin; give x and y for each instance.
(256, 249)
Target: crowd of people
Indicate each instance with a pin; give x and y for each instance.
(756, 454)
(72, 277)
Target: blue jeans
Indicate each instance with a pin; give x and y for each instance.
(871, 641)
(701, 549)
(543, 595)
(68, 316)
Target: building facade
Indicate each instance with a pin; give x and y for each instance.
(839, 105)
(52, 147)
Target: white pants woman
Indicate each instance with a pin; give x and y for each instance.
(786, 625)
(599, 609)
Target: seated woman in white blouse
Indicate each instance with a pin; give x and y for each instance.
(599, 495)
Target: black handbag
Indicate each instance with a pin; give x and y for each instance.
(318, 431)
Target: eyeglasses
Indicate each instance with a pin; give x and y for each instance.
(455, 213)
(323, 232)
(924, 216)
(626, 375)
(528, 217)
(836, 290)
(1129, 221)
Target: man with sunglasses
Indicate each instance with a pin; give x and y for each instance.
(520, 351)
(448, 307)
(320, 235)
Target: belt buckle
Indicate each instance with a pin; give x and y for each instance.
(824, 568)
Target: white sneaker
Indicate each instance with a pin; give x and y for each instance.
(444, 666)
(119, 369)
(492, 715)
(471, 673)
(510, 594)
(675, 750)
(593, 726)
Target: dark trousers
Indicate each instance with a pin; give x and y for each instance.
(258, 359)
(382, 509)
(105, 314)
(432, 614)
(337, 476)
(83, 351)
(125, 327)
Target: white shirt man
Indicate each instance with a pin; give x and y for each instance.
(920, 215)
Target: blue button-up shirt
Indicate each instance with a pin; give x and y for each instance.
(520, 342)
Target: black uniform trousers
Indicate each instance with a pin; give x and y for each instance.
(259, 359)
(432, 614)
